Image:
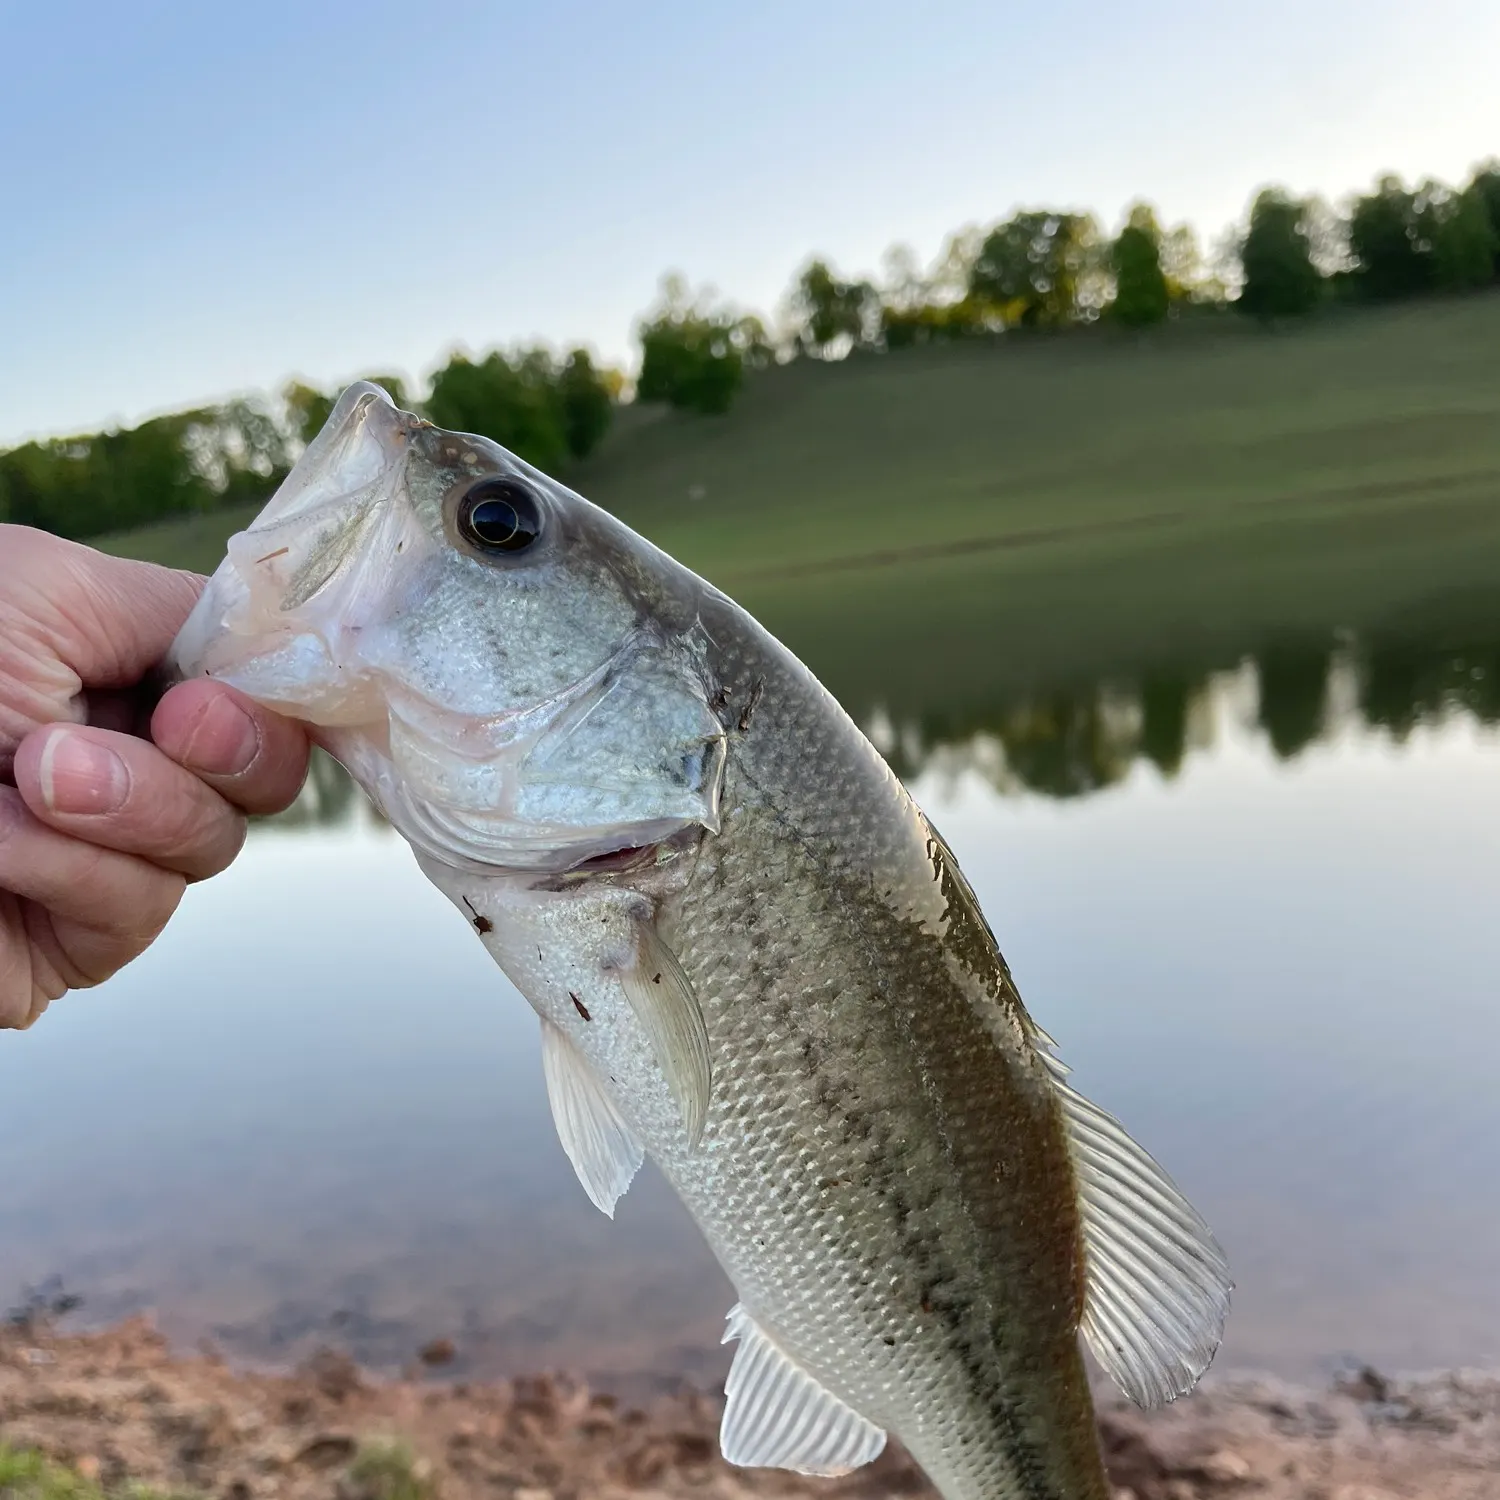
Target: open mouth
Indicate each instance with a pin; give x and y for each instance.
(630, 859)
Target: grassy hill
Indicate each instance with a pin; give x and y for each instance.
(959, 525)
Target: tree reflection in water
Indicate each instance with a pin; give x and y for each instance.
(1071, 741)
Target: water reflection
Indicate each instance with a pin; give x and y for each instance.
(1070, 742)
(1296, 693)
(314, 1112)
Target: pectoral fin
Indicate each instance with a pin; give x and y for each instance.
(664, 1002)
(778, 1417)
(1158, 1283)
(603, 1149)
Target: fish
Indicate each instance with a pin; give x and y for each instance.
(752, 956)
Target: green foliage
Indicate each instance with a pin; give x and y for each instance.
(1464, 243)
(1486, 186)
(1141, 293)
(1281, 280)
(901, 327)
(1390, 240)
(514, 399)
(173, 465)
(587, 401)
(27, 1475)
(833, 316)
(386, 1470)
(693, 354)
(307, 409)
(1030, 270)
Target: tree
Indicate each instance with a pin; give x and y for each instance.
(1030, 269)
(1389, 242)
(832, 316)
(1486, 186)
(587, 403)
(510, 398)
(917, 308)
(1141, 296)
(693, 354)
(1280, 279)
(307, 409)
(1182, 265)
(1464, 244)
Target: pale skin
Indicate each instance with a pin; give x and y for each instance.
(110, 808)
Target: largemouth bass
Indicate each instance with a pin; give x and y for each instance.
(751, 954)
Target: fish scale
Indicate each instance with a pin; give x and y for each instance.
(751, 955)
(824, 1091)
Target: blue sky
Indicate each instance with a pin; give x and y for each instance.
(200, 199)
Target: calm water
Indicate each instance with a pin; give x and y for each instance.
(1255, 910)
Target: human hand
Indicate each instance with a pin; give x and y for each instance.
(100, 828)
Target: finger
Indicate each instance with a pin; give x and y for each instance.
(254, 757)
(28, 981)
(123, 793)
(93, 909)
(109, 619)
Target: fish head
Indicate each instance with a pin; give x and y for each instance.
(513, 675)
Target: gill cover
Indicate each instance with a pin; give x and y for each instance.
(522, 714)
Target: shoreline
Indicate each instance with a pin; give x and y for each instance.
(120, 1405)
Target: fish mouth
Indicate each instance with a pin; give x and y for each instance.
(282, 616)
(626, 861)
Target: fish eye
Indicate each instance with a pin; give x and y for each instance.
(500, 515)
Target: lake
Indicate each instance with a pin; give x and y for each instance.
(1254, 907)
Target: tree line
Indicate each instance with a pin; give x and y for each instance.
(1041, 268)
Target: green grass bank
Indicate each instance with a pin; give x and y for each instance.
(950, 527)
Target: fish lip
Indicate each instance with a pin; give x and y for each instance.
(360, 451)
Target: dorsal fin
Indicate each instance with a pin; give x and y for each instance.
(1158, 1283)
(602, 1147)
(778, 1417)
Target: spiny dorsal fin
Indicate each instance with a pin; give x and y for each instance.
(778, 1417)
(602, 1147)
(664, 1002)
(1158, 1283)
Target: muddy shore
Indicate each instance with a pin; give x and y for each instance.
(121, 1406)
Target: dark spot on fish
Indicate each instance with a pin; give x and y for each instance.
(720, 700)
(926, 1303)
(579, 1006)
(888, 1341)
(482, 924)
(833, 1182)
(539, 953)
(900, 1208)
(656, 979)
(756, 694)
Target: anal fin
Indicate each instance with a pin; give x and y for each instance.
(602, 1147)
(778, 1417)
